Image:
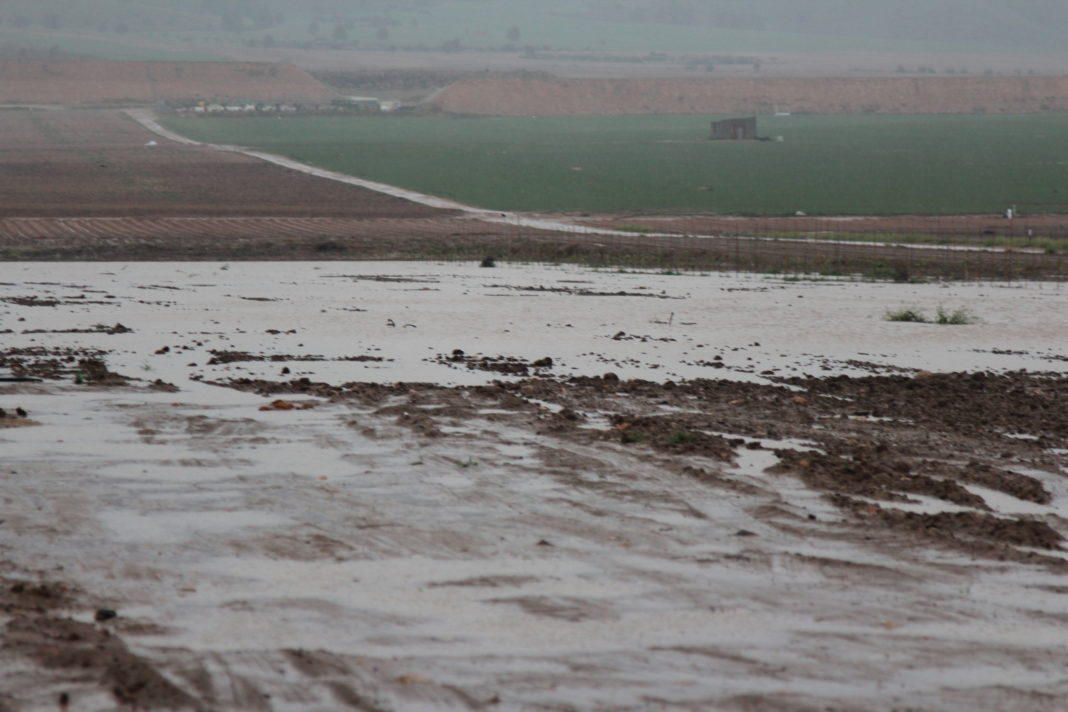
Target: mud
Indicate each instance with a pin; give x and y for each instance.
(576, 291)
(517, 532)
(81, 651)
(498, 364)
(880, 438)
(47, 362)
(222, 356)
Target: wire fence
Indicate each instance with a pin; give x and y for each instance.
(958, 249)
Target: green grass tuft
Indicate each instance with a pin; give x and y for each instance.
(907, 314)
(956, 317)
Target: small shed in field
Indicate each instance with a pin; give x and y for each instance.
(735, 129)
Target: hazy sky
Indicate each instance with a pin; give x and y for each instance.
(973, 25)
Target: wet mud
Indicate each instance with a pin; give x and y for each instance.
(866, 443)
(702, 528)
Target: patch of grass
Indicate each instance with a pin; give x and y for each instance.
(907, 314)
(682, 437)
(1049, 245)
(955, 317)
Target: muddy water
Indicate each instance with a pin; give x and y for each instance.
(540, 489)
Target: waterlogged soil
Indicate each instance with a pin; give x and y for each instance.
(39, 627)
(205, 515)
(864, 442)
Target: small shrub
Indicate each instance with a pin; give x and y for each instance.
(913, 315)
(955, 317)
(942, 316)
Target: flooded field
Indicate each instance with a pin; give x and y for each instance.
(316, 486)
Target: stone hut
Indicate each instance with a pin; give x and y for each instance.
(735, 129)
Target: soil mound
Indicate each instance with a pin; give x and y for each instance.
(882, 95)
(84, 82)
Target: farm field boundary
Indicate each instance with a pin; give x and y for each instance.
(458, 238)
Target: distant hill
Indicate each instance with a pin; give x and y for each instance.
(881, 95)
(82, 82)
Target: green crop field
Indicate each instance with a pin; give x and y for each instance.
(873, 165)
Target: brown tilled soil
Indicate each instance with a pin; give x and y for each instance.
(880, 95)
(95, 82)
(94, 163)
(446, 237)
(977, 227)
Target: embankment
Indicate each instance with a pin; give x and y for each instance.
(101, 82)
(882, 95)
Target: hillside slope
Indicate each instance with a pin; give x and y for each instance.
(885, 95)
(81, 82)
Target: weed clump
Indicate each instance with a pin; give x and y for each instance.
(942, 316)
(956, 317)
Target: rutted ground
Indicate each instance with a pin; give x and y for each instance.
(301, 486)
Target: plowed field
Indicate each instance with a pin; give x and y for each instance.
(103, 164)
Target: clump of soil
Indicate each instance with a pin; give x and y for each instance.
(579, 292)
(509, 365)
(223, 356)
(873, 472)
(31, 301)
(46, 363)
(673, 435)
(93, 653)
(861, 441)
(973, 532)
(18, 596)
(965, 403)
(37, 629)
(97, 329)
(94, 370)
